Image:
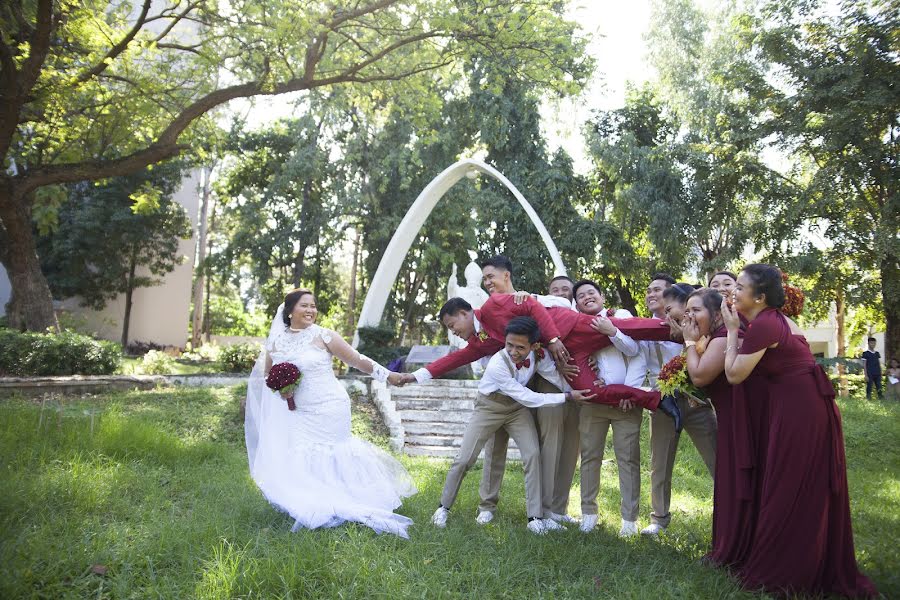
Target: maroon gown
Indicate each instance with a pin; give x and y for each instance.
(741, 426)
(802, 539)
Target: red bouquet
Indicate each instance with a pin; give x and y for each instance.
(284, 378)
(674, 379)
(793, 299)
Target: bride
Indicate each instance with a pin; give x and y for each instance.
(305, 461)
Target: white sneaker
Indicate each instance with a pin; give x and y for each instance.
(551, 525)
(629, 529)
(654, 529)
(536, 526)
(439, 518)
(588, 522)
(563, 518)
(484, 517)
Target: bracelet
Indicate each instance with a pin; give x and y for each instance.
(730, 348)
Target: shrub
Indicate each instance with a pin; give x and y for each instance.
(157, 363)
(205, 353)
(238, 358)
(139, 348)
(66, 353)
(377, 344)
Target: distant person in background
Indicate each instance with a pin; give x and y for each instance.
(872, 363)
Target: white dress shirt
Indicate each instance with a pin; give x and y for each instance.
(496, 378)
(611, 363)
(647, 362)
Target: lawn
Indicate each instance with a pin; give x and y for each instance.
(156, 502)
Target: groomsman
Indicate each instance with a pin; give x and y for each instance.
(700, 422)
(481, 329)
(597, 419)
(561, 287)
(503, 402)
(551, 420)
(559, 437)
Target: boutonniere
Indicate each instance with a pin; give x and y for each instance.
(539, 353)
(483, 336)
(610, 312)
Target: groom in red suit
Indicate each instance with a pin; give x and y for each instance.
(566, 333)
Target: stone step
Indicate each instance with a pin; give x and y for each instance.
(432, 416)
(439, 440)
(447, 452)
(448, 383)
(436, 405)
(433, 427)
(436, 393)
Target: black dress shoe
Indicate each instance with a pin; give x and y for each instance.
(668, 406)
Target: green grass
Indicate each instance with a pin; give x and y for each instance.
(132, 366)
(159, 494)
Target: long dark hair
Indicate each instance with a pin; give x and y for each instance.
(678, 292)
(767, 280)
(712, 301)
(290, 301)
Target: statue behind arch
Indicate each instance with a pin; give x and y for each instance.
(472, 293)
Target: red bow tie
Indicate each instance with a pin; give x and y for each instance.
(525, 363)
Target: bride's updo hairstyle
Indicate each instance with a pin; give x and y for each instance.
(767, 280)
(290, 301)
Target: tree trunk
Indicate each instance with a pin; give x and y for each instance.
(840, 310)
(129, 294)
(207, 322)
(890, 297)
(30, 306)
(199, 280)
(625, 297)
(351, 308)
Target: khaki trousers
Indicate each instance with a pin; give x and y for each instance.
(596, 419)
(700, 424)
(493, 413)
(557, 428)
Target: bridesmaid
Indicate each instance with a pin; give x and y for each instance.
(734, 492)
(802, 539)
(723, 282)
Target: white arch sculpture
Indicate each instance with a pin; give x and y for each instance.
(409, 227)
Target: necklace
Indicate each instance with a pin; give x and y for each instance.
(296, 330)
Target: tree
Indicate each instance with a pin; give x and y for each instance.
(91, 91)
(506, 114)
(276, 202)
(103, 248)
(835, 107)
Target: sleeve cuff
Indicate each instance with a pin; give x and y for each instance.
(422, 375)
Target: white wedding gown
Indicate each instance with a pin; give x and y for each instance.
(306, 461)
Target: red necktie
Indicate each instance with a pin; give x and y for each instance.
(525, 363)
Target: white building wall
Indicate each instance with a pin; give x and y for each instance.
(159, 314)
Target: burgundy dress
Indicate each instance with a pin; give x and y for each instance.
(741, 419)
(802, 539)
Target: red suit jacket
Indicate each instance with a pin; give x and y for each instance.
(576, 333)
(496, 313)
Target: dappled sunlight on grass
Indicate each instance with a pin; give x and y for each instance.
(160, 495)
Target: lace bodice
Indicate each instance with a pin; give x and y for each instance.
(305, 348)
